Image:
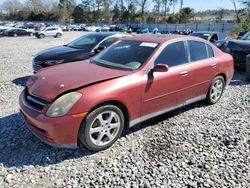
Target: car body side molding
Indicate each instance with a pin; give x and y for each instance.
(154, 114)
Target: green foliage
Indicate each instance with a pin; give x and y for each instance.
(243, 26)
(78, 14)
(186, 14)
(172, 19)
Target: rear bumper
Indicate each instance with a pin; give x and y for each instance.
(59, 132)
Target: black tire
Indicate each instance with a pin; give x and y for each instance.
(209, 98)
(90, 120)
(58, 35)
(41, 36)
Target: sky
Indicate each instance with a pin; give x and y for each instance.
(209, 4)
(198, 4)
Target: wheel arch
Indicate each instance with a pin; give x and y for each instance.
(223, 75)
(117, 103)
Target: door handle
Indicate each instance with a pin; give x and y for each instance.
(213, 65)
(184, 73)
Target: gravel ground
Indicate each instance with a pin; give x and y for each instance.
(196, 146)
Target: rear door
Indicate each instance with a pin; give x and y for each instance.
(203, 67)
(165, 90)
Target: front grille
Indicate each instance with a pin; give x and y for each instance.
(32, 102)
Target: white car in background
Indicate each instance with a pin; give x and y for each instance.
(49, 32)
(91, 28)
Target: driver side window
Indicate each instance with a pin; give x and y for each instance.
(174, 54)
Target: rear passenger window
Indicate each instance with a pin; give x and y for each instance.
(174, 54)
(210, 51)
(198, 50)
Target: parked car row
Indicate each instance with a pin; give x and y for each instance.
(92, 101)
(15, 32)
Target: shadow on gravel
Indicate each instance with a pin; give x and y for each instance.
(21, 81)
(19, 147)
(239, 79)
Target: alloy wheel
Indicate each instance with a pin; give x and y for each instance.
(216, 90)
(105, 128)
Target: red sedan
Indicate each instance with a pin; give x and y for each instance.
(134, 80)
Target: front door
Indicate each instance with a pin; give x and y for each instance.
(166, 90)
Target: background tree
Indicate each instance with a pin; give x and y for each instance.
(165, 7)
(157, 9)
(246, 4)
(142, 5)
(106, 10)
(220, 14)
(186, 14)
(236, 11)
(181, 5)
(12, 6)
(78, 14)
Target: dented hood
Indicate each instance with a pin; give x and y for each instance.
(50, 82)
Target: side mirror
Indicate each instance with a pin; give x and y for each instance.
(160, 68)
(99, 49)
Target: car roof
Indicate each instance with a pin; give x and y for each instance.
(160, 38)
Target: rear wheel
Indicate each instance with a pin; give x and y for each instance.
(41, 36)
(102, 127)
(215, 91)
(58, 35)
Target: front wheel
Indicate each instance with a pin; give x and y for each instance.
(41, 36)
(102, 127)
(215, 91)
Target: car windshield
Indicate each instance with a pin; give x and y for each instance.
(126, 55)
(86, 41)
(246, 36)
(202, 35)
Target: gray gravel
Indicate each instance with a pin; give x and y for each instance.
(196, 146)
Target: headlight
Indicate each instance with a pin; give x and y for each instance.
(53, 62)
(63, 104)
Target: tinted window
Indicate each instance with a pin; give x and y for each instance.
(246, 36)
(128, 55)
(210, 51)
(174, 54)
(86, 41)
(213, 38)
(108, 41)
(197, 50)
